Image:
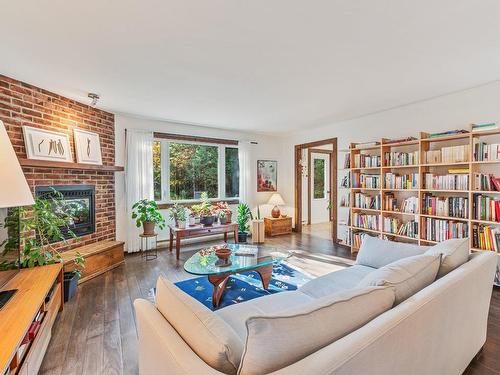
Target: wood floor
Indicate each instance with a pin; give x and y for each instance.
(96, 334)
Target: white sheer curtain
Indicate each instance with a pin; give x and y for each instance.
(138, 179)
(245, 170)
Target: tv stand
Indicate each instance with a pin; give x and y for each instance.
(5, 296)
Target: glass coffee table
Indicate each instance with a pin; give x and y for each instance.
(243, 258)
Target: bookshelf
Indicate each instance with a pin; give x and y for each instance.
(384, 174)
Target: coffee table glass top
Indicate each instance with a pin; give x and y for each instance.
(243, 257)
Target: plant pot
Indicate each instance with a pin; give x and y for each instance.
(181, 224)
(149, 227)
(70, 285)
(223, 220)
(197, 220)
(207, 221)
(242, 237)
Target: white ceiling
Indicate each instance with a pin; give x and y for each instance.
(261, 65)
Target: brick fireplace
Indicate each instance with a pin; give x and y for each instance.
(24, 104)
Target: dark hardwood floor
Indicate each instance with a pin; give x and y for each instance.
(96, 334)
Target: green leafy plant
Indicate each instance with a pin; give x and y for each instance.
(222, 214)
(79, 262)
(178, 212)
(244, 215)
(147, 210)
(204, 208)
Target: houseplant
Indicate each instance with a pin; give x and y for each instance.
(222, 217)
(244, 215)
(178, 213)
(146, 213)
(207, 217)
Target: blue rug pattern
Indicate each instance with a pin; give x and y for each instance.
(244, 286)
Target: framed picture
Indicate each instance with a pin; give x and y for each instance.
(88, 147)
(44, 144)
(267, 175)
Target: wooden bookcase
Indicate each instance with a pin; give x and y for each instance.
(422, 144)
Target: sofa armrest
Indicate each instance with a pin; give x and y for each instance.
(161, 349)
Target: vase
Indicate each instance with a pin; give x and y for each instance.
(223, 220)
(242, 237)
(149, 227)
(207, 221)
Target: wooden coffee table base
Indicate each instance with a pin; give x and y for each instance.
(219, 281)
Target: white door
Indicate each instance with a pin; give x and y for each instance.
(320, 187)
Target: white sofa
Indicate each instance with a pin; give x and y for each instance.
(437, 330)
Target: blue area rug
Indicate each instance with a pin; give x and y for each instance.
(245, 286)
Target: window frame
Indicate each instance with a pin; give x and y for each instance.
(165, 170)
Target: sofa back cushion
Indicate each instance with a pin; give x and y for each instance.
(453, 252)
(278, 340)
(208, 335)
(407, 276)
(377, 253)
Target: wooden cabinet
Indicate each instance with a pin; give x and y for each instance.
(276, 227)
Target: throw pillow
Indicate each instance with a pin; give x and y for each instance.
(454, 253)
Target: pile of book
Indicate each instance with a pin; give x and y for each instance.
(347, 161)
(392, 159)
(440, 230)
(366, 161)
(486, 152)
(396, 181)
(368, 181)
(399, 140)
(485, 208)
(485, 237)
(451, 154)
(446, 206)
(486, 182)
(484, 126)
(365, 221)
(447, 182)
(447, 133)
(365, 201)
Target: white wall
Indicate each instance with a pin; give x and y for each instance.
(267, 148)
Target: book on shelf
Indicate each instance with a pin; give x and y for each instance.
(346, 181)
(445, 206)
(366, 161)
(397, 181)
(365, 221)
(485, 237)
(399, 140)
(362, 200)
(448, 133)
(446, 182)
(450, 154)
(458, 171)
(398, 227)
(483, 126)
(363, 180)
(486, 152)
(485, 207)
(396, 159)
(440, 229)
(486, 182)
(347, 161)
(410, 205)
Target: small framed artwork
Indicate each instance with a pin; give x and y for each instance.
(44, 144)
(267, 175)
(88, 147)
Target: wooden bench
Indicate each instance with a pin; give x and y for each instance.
(99, 257)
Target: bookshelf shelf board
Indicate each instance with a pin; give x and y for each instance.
(477, 249)
(386, 190)
(369, 189)
(486, 162)
(445, 164)
(365, 168)
(485, 192)
(366, 209)
(400, 236)
(428, 241)
(445, 217)
(400, 166)
(365, 230)
(399, 213)
(443, 191)
(485, 222)
(376, 147)
(487, 132)
(446, 138)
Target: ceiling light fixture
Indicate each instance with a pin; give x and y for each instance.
(94, 98)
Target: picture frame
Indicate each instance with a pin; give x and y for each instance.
(267, 176)
(48, 145)
(87, 147)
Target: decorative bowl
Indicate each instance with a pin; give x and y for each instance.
(223, 253)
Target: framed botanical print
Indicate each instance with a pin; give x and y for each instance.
(44, 144)
(88, 147)
(267, 175)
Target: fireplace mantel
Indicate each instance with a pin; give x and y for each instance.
(65, 165)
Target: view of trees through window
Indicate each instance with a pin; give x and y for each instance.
(319, 178)
(157, 170)
(232, 172)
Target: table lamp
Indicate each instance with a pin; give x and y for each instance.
(276, 200)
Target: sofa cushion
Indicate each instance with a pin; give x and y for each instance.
(335, 281)
(407, 276)
(377, 253)
(453, 252)
(208, 335)
(236, 315)
(278, 340)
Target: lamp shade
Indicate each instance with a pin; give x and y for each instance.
(276, 200)
(14, 190)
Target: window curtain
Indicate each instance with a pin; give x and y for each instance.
(245, 170)
(138, 179)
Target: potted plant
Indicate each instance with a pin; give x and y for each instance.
(222, 206)
(244, 215)
(222, 217)
(178, 213)
(146, 213)
(71, 278)
(207, 217)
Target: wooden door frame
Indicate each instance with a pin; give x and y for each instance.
(333, 182)
(309, 193)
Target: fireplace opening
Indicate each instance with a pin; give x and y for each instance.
(78, 202)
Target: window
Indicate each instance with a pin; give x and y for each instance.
(319, 179)
(183, 170)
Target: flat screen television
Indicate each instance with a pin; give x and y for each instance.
(9, 251)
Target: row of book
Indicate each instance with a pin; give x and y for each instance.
(485, 237)
(396, 226)
(446, 206)
(486, 182)
(366, 201)
(440, 230)
(365, 221)
(447, 182)
(362, 180)
(405, 181)
(366, 161)
(357, 239)
(485, 208)
(450, 154)
(486, 152)
(401, 158)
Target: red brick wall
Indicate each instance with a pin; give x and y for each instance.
(24, 104)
